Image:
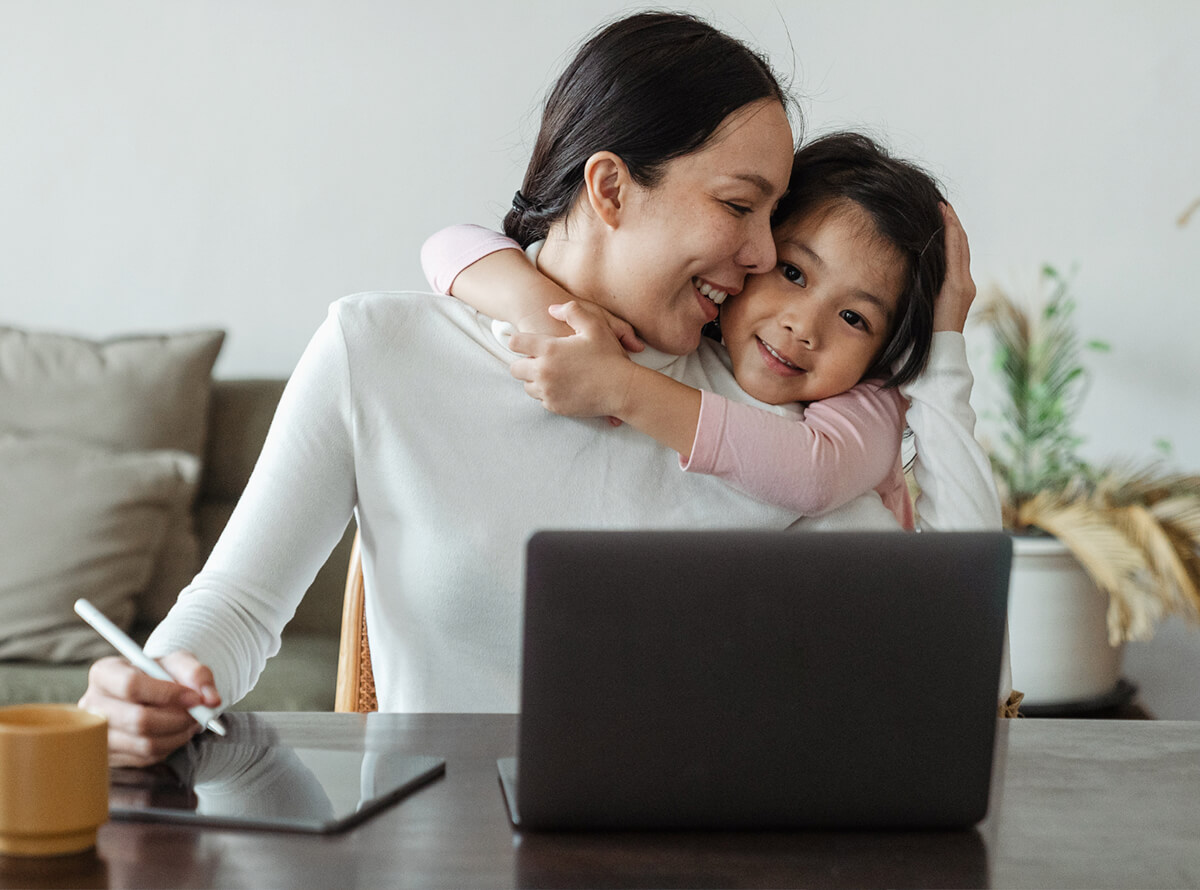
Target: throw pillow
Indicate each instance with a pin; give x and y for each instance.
(137, 393)
(79, 520)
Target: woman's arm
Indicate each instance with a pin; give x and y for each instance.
(279, 535)
(953, 472)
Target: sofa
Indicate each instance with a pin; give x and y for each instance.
(67, 406)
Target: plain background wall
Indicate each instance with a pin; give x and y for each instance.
(241, 163)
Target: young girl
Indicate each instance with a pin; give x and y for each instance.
(861, 255)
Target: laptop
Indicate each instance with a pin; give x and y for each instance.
(749, 679)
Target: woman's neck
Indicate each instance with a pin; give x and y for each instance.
(574, 263)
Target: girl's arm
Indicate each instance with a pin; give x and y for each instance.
(445, 254)
(843, 447)
(489, 272)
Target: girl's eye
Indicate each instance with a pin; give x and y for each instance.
(853, 319)
(792, 274)
(739, 209)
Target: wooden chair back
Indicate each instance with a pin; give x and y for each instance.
(355, 692)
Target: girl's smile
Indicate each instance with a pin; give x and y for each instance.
(772, 357)
(810, 328)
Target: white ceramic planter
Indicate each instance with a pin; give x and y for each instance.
(1058, 635)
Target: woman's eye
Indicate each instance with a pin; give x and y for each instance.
(739, 209)
(853, 319)
(792, 274)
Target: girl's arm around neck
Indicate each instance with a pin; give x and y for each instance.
(662, 408)
(491, 273)
(843, 446)
(589, 375)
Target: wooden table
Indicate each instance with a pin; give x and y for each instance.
(1076, 804)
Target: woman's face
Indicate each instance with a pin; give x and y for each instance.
(811, 327)
(691, 239)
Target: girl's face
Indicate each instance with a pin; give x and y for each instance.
(702, 228)
(811, 327)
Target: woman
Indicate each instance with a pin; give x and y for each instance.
(669, 145)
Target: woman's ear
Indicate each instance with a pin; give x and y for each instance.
(606, 183)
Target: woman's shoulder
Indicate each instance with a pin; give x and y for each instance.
(384, 314)
(382, 325)
(385, 305)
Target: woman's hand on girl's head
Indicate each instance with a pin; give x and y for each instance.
(584, 375)
(958, 290)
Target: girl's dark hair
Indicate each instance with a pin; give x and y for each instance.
(650, 87)
(902, 201)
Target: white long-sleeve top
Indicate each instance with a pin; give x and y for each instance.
(402, 411)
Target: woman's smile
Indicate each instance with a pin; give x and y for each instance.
(710, 298)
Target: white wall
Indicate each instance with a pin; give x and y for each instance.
(241, 163)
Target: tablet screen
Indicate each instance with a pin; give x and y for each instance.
(281, 787)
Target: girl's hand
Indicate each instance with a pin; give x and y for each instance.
(958, 290)
(584, 375)
(547, 322)
(148, 718)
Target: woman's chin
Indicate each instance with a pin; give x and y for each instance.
(683, 342)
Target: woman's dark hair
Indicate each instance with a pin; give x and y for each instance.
(650, 87)
(902, 201)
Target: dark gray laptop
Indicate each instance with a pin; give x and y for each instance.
(754, 679)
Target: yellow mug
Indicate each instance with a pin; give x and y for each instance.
(53, 779)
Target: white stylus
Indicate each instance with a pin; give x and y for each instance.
(206, 717)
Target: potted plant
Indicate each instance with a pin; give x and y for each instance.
(1102, 553)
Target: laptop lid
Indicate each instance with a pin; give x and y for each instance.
(759, 679)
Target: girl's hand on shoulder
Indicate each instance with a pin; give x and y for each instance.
(548, 322)
(584, 375)
(958, 290)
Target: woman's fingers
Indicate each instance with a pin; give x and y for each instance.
(116, 679)
(958, 290)
(188, 671)
(125, 749)
(147, 717)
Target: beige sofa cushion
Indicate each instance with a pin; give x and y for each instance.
(137, 393)
(79, 520)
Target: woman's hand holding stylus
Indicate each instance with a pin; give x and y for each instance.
(147, 717)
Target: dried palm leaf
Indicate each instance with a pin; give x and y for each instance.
(1116, 565)
(1171, 575)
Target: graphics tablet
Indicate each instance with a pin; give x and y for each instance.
(276, 786)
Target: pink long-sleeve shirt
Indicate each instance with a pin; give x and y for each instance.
(810, 459)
